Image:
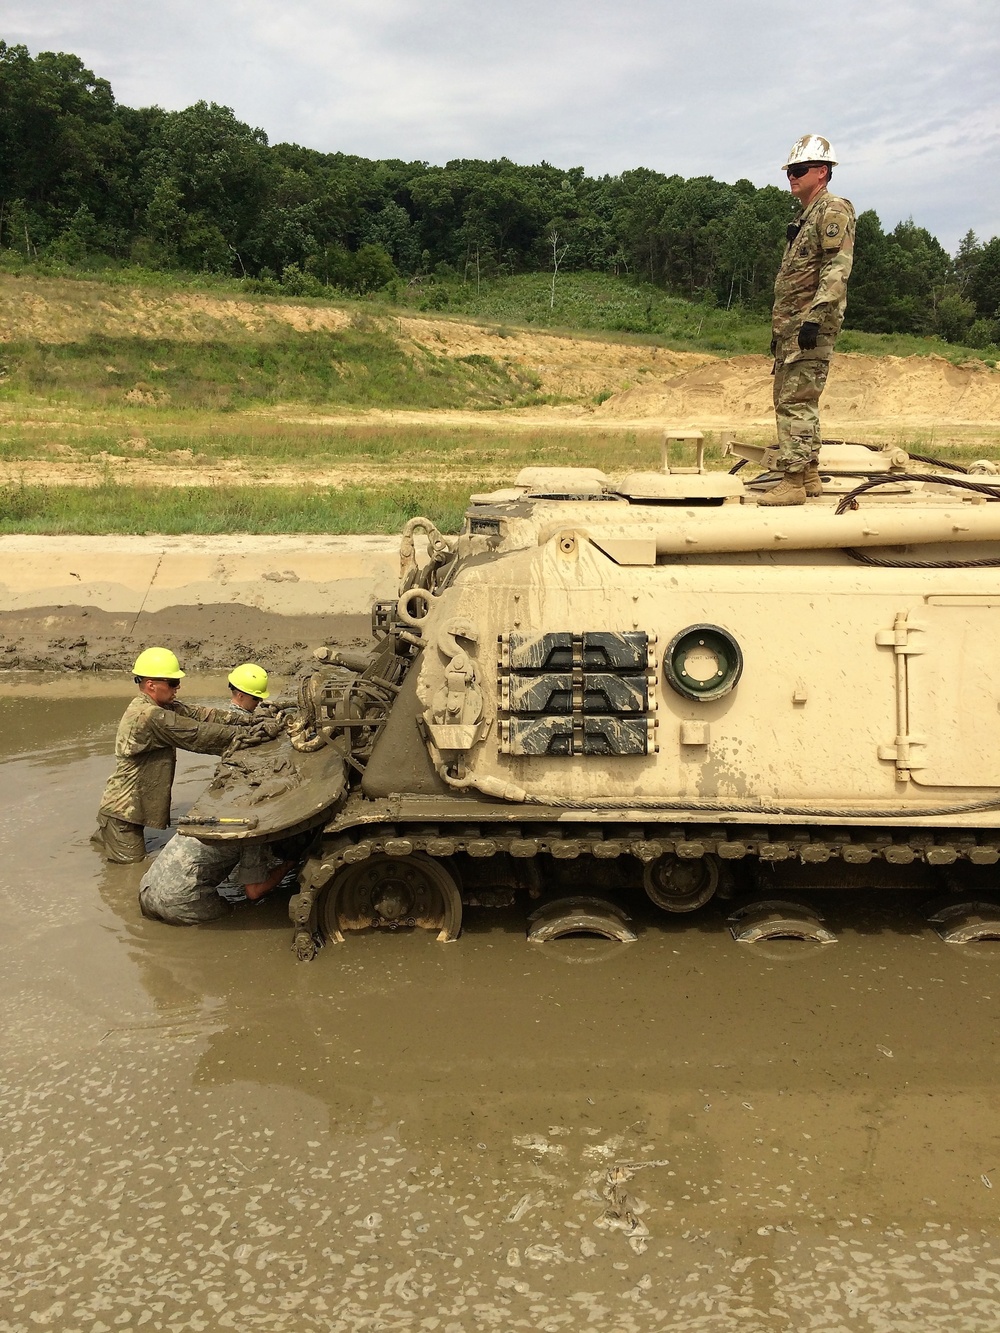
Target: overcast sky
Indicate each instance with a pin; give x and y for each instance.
(907, 90)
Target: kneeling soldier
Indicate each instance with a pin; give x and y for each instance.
(181, 886)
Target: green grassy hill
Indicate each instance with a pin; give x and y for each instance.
(601, 303)
(585, 303)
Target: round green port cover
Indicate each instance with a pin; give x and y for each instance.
(706, 640)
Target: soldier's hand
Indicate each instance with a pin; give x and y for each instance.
(808, 334)
(260, 733)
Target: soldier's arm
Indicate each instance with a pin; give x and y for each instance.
(259, 873)
(836, 233)
(168, 727)
(232, 717)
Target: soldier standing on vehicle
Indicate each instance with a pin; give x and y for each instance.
(810, 297)
(154, 727)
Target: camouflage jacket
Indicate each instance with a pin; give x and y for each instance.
(812, 280)
(146, 749)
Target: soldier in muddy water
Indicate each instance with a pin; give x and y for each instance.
(248, 687)
(154, 727)
(810, 298)
(192, 882)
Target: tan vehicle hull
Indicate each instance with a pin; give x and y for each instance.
(654, 681)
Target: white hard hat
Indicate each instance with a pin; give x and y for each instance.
(811, 148)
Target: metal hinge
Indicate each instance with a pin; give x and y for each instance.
(901, 752)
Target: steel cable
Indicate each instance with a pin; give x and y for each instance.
(991, 490)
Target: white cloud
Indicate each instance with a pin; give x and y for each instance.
(906, 89)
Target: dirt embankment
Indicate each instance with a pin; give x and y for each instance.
(910, 392)
(63, 311)
(577, 368)
(92, 603)
(636, 382)
(205, 636)
(606, 385)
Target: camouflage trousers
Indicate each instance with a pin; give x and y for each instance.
(192, 881)
(797, 388)
(119, 840)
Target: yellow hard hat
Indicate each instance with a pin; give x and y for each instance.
(157, 664)
(251, 679)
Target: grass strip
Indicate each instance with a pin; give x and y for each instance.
(202, 510)
(195, 438)
(481, 457)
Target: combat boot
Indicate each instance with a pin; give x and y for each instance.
(789, 491)
(811, 482)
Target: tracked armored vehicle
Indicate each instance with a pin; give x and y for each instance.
(611, 687)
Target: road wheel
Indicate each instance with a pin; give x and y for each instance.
(392, 893)
(679, 885)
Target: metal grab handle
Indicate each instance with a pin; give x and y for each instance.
(682, 438)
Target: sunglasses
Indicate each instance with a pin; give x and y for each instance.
(173, 684)
(801, 169)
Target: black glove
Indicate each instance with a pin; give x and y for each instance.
(808, 334)
(774, 348)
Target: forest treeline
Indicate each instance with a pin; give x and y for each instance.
(85, 180)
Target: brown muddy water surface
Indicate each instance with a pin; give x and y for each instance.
(200, 1133)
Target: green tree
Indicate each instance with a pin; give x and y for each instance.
(966, 261)
(954, 317)
(218, 169)
(64, 145)
(392, 230)
(984, 287)
(870, 290)
(740, 251)
(373, 268)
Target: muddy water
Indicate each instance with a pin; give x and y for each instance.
(200, 1133)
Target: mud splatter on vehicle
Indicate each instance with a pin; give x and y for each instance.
(654, 686)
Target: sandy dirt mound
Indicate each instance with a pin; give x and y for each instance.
(904, 391)
(640, 384)
(578, 368)
(61, 311)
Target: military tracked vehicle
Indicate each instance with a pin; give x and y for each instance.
(610, 687)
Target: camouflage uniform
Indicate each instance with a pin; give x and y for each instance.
(811, 286)
(138, 791)
(192, 881)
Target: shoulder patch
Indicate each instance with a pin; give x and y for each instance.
(833, 229)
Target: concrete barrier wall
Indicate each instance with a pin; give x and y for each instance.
(284, 576)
